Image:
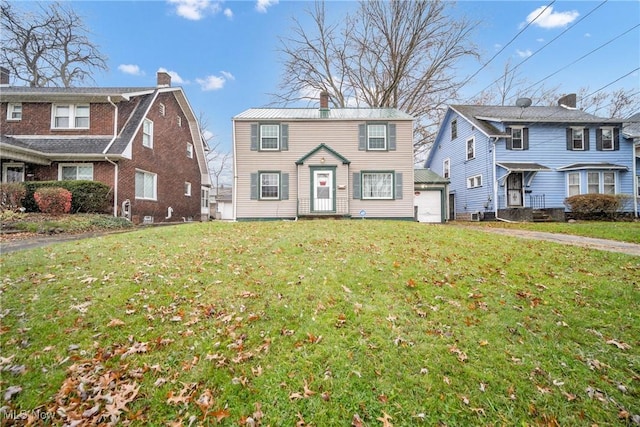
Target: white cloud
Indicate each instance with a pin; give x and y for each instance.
(175, 77)
(550, 19)
(263, 5)
(228, 13)
(215, 82)
(132, 69)
(524, 53)
(195, 9)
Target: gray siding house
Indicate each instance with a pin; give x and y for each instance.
(308, 162)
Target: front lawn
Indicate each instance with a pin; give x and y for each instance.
(362, 322)
(622, 231)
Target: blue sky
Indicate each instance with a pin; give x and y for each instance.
(224, 53)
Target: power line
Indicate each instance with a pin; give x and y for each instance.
(506, 45)
(580, 59)
(543, 47)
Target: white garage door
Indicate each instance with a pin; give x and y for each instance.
(429, 205)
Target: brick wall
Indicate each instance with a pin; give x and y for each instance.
(36, 120)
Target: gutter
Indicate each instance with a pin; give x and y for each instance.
(115, 165)
(235, 174)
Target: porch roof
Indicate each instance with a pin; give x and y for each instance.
(601, 165)
(522, 166)
(339, 156)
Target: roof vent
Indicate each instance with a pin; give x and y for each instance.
(568, 101)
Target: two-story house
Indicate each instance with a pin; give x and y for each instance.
(144, 142)
(309, 162)
(512, 162)
(631, 132)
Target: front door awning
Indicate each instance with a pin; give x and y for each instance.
(528, 169)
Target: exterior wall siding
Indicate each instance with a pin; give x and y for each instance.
(547, 146)
(305, 136)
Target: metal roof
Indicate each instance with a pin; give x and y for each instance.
(315, 114)
(631, 128)
(427, 176)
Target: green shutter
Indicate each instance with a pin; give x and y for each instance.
(357, 192)
(284, 137)
(509, 140)
(391, 130)
(398, 179)
(254, 137)
(362, 137)
(254, 186)
(586, 139)
(284, 186)
(525, 138)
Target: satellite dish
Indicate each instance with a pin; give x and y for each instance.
(523, 102)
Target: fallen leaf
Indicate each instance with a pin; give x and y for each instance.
(115, 322)
(386, 420)
(620, 345)
(356, 421)
(12, 391)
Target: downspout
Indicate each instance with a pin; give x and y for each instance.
(235, 173)
(115, 165)
(495, 185)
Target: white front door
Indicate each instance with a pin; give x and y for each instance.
(323, 191)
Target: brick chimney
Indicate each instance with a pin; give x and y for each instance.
(324, 104)
(164, 79)
(4, 76)
(568, 101)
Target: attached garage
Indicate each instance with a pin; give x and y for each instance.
(430, 196)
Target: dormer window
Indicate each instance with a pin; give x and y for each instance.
(14, 111)
(70, 116)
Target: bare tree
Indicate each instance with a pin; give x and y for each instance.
(49, 47)
(219, 161)
(399, 54)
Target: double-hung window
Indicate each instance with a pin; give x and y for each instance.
(377, 185)
(593, 182)
(516, 139)
(446, 168)
(474, 181)
(147, 133)
(70, 116)
(577, 139)
(606, 139)
(601, 182)
(471, 148)
(454, 129)
(75, 171)
(270, 185)
(376, 137)
(269, 137)
(146, 185)
(609, 182)
(14, 111)
(573, 184)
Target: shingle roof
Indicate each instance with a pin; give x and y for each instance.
(27, 90)
(314, 114)
(44, 145)
(427, 176)
(482, 116)
(631, 128)
(601, 165)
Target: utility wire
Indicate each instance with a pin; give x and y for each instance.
(506, 45)
(543, 47)
(579, 59)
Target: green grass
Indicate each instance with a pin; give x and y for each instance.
(621, 231)
(76, 223)
(318, 321)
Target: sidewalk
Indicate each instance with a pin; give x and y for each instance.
(567, 239)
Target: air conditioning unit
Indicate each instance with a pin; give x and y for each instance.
(475, 216)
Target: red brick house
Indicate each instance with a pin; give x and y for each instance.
(144, 142)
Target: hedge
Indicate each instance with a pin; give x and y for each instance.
(87, 196)
(596, 206)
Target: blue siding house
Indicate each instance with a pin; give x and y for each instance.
(520, 163)
(631, 132)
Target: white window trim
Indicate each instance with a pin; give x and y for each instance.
(446, 168)
(362, 187)
(76, 165)
(189, 150)
(6, 166)
(573, 139)
(613, 144)
(72, 116)
(579, 175)
(154, 197)
(11, 109)
(187, 189)
(521, 129)
(466, 147)
(260, 196)
(474, 181)
(384, 148)
(150, 144)
(277, 148)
